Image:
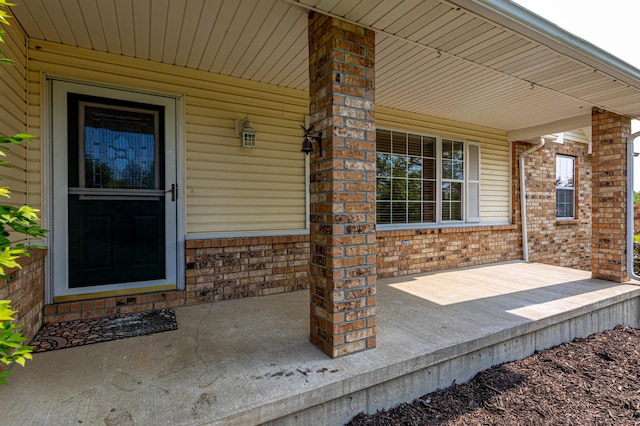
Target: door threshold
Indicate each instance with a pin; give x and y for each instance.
(114, 293)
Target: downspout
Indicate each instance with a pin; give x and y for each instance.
(523, 198)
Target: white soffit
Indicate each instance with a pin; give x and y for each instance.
(472, 61)
(260, 40)
(458, 59)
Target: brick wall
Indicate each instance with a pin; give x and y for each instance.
(555, 242)
(215, 269)
(609, 196)
(434, 249)
(25, 289)
(233, 268)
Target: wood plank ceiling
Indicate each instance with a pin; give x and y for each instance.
(433, 57)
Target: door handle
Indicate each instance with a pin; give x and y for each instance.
(173, 191)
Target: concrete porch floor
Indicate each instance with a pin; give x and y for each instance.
(249, 361)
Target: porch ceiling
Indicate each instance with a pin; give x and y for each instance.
(486, 62)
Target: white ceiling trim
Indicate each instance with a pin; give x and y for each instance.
(559, 126)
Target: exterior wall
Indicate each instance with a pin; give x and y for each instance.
(243, 267)
(214, 159)
(555, 242)
(495, 166)
(13, 113)
(228, 188)
(25, 289)
(411, 251)
(435, 249)
(216, 270)
(230, 191)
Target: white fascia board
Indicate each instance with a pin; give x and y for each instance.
(533, 26)
(559, 126)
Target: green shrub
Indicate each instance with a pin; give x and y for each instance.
(11, 341)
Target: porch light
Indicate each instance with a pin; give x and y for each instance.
(244, 129)
(309, 138)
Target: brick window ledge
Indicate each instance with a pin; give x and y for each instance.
(446, 230)
(567, 222)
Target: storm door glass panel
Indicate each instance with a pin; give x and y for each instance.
(119, 148)
(116, 202)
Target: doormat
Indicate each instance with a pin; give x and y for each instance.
(69, 334)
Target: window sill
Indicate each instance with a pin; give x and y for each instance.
(476, 227)
(567, 221)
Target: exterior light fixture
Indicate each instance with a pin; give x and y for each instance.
(309, 138)
(244, 129)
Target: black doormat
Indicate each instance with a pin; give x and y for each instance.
(69, 334)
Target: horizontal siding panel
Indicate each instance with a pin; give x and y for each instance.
(244, 221)
(247, 210)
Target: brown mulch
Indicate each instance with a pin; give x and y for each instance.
(592, 381)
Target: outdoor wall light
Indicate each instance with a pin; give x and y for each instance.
(309, 138)
(244, 129)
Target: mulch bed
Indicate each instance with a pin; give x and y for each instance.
(593, 381)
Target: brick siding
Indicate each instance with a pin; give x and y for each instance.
(234, 268)
(555, 242)
(25, 289)
(434, 249)
(215, 270)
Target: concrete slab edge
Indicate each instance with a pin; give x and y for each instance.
(283, 411)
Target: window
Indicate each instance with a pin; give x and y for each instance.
(426, 179)
(565, 187)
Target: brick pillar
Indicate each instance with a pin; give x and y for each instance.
(609, 180)
(342, 186)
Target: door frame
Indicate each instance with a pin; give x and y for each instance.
(55, 187)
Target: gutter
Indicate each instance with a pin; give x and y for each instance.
(523, 198)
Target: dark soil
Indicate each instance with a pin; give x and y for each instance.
(592, 381)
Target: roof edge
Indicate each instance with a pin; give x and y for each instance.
(515, 17)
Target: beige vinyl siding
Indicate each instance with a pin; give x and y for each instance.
(495, 167)
(228, 188)
(13, 112)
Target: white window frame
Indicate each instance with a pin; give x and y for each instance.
(564, 188)
(472, 184)
(467, 217)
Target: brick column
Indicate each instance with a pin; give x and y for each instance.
(609, 180)
(342, 186)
